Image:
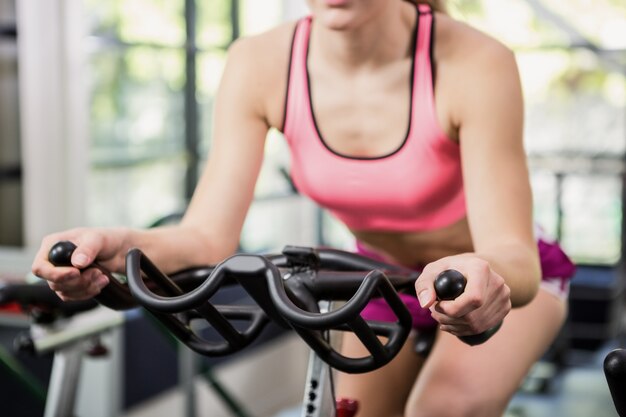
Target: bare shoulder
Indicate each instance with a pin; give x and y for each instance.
(265, 48)
(262, 63)
(460, 43)
(474, 70)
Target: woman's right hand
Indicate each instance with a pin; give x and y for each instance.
(79, 282)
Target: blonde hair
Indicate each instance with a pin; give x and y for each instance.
(436, 5)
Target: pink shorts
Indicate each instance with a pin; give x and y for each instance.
(556, 270)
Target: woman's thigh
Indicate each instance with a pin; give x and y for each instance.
(382, 392)
(460, 380)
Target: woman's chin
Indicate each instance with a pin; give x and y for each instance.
(337, 21)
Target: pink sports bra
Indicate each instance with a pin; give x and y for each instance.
(417, 187)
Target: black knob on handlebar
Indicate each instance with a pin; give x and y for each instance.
(449, 285)
(61, 253)
(115, 295)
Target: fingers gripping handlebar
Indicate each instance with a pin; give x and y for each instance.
(449, 285)
(115, 295)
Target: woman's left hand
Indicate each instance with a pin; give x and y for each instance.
(484, 303)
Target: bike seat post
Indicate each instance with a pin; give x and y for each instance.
(63, 385)
(318, 398)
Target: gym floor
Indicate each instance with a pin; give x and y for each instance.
(269, 383)
(578, 391)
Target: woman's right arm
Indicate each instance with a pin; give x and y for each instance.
(211, 226)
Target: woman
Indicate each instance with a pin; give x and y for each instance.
(407, 126)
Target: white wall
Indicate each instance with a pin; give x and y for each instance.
(53, 115)
(52, 122)
(292, 9)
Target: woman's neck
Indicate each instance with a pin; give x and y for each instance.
(384, 38)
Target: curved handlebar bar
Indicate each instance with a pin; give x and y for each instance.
(195, 304)
(287, 288)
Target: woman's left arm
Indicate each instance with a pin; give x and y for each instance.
(503, 270)
(498, 193)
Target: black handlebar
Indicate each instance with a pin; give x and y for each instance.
(195, 304)
(290, 298)
(288, 289)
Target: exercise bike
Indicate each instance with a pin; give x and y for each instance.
(296, 289)
(68, 330)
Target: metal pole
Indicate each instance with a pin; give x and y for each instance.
(188, 367)
(560, 176)
(318, 398)
(191, 104)
(64, 381)
(234, 19)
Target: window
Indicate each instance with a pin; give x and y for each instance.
(137, 67)
(155, 69)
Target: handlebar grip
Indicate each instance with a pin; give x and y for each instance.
(61, 253)
(449, 285)
(115, 295)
